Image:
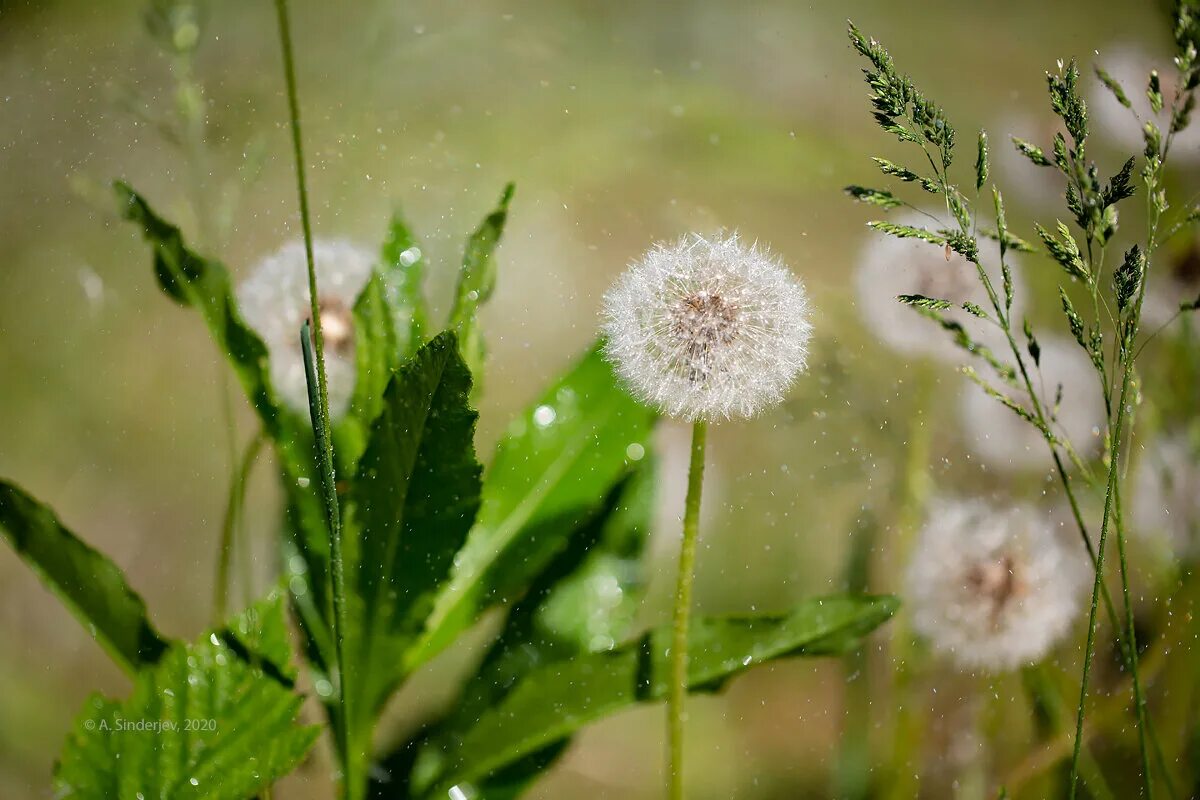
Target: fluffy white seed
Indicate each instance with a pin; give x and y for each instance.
(707, 328)
(1166, 494)
(274, 301)
(1004, 440)
(889, 267)
(992, 589)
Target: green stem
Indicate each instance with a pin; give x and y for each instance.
(319, 410)
(683, 608)
(229, 526)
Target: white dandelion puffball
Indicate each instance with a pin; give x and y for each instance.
(889, 267)
(994, 589)
(1166, 494)
(1130, 66)
(274, 301)
(707, 328)
(1003, 440)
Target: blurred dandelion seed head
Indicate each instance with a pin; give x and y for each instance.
(992, 589)
(1005, 441)
(890, 267)
(1166, 494)
(274, 301)
(707, 328)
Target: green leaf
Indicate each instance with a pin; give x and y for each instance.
(202, 723)
(551, 472)
(584, 601)
(556, 700)
(90, 585)
(403, 273)
(476, 280)
(412, 501)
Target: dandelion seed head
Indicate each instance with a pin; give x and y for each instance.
(890, 267)
(1005, 441)
(992, 589)
(707, 328)
(1166, 494)
(274, 301)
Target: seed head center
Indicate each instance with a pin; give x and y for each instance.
(701, 322)
(999, 582)
(337, 325)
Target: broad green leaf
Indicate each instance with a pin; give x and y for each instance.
(202, 723)
(375, 360)
(584, 601)
(403, 273)
(556, 700)
(552, 470)
(412, 501)
(85, 580)
(476, 281)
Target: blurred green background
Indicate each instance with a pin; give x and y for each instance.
(620, 123)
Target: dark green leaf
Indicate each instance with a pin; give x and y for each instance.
(1119, 187)
(551, 472)
(412, 500)
(554, 701)
(221, 727)
(1031, 344)
(476, 280)
(1127, 277)
(90, 585)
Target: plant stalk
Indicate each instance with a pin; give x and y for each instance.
(230, 525)
(319, 410)
(677, 691)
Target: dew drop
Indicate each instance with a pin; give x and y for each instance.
(635, 452)
(544, 416)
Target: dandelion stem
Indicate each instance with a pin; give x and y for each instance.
(229, 526)
(677, 691)
(319, 406)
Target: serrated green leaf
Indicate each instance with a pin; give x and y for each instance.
(87, 582)
(201, 723)
(556, 700)
(476, 280)
(412, 501)
(550, 474)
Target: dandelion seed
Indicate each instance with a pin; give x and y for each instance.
(1166, 494)
(1004, 440)
(992, 589)
(1130, 66)
(274, 301)
(890, 267)
(707, 328)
